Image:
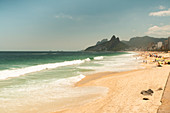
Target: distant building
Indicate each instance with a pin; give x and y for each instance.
(159, 45)
(152, 46)
(168, 43)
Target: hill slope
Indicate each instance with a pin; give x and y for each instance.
(113, 44)
(143, 42)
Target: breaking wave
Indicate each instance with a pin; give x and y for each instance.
(5, 74)
(98, 58)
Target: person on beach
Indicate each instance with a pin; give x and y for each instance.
(159, 65)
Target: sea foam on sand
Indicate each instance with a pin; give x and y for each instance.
(48, 96)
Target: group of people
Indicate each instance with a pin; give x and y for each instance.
(161, 60)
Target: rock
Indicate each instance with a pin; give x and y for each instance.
(145, 98)
(145, 93)
(160, 89)
(148, 92)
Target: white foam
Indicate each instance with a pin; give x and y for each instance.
(117, 63)
(68, 81)
(22, 71)
(98, 58)
(87, 59)
(55, 92)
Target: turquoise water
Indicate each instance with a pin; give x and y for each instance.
(11, 60)
(38, 79)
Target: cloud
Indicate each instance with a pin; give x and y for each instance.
(161, 7)
(160, 13)
(64, 16)
(163, 31)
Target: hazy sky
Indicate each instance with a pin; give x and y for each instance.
(77, 24)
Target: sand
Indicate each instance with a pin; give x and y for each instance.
(125, 88)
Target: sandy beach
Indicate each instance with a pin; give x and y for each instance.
(85, 56)
(124, 95)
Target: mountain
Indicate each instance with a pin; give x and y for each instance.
(143, 42)
(114, 44)
(102, 41)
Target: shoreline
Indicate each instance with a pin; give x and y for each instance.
(100, 75)
(124, 91)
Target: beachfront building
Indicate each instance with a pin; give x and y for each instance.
(165, 45)
(151, 46)
(159, 45)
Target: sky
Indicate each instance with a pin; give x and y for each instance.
(67, 25)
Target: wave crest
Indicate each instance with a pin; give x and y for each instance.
(22, 71)
(98, 58)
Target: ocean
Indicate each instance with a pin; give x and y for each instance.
(43, 82)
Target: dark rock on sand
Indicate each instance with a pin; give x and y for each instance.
(145, 93)
(148, 92)
(160, 89)
(145, 99)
